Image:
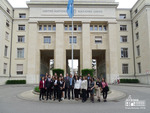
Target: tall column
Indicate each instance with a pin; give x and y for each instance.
(86, 53)
(33, 66)
(112, 53)
(59, 53)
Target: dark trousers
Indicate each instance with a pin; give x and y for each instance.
(67, 90)
(72, 90)
(42, 92)
(84, 94)
(59, 94)
(55, 92)
(88, 91)
(48, 93)
(104, 93)
(76, 92)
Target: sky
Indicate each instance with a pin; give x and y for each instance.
(122, 3)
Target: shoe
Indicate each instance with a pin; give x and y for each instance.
(39, 99)
(54, 99)
(92, 101)
(42, 98)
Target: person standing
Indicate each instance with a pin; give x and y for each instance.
(88, 85)
(67, 86)
(55, 88)
(60, 88)
(76, 88)
(104, 89)
(80, 80)
(48, 85)
(98, 89)
(84, 89)
(72, 86)
(92, 87)
(42, 88)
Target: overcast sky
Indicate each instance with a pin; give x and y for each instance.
(122, 3)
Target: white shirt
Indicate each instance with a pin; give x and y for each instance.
(80, 81)
(84, 84)
(43, 83)
(77, 85)
(55, 82)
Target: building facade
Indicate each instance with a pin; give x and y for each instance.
(118, 39)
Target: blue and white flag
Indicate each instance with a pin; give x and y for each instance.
(70, 8)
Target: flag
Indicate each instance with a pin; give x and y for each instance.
(70, 8)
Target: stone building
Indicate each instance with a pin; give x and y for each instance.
(118, 39)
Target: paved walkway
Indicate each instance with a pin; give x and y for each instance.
(114, 95)
(134, 85)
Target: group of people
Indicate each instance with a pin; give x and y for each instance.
(80, 87)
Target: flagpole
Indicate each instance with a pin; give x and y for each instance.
(72, 47)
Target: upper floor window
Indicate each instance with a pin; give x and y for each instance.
(136, 24)
(138, 50)
(75, 28)
(6, 51)
(125, 68)
(122, 16)
(66, 27)
(123, 39)
(98, 40)
(22, 15)
(123, 27)
(40, 27)
(45, 27)
(7, 35)
(137, 35)
(100, 27)
(7, 23)
(21, 39)
(20, 52)
(49, 27)
(91, 27)
(105, 28)
(139, 67)
(5, 68)
(74, 39)
(8, 10)
(124, 52)
(79, 27)
(54, 27)
(136, 10)
(47, 39)
(21, 27)
(70, 27)
(95, 28)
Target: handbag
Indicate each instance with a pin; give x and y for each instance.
(107, 88)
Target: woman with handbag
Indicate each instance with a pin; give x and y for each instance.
(104, 89)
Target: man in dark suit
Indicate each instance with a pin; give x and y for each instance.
(88, 85)
(67, 86)
(48, 85)
(72, 86)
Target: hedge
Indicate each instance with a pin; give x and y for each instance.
(85, 72)
(58, 71)
(36, 89)
(129, 81)
(16, 82)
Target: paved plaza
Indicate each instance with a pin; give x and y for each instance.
(20, 99)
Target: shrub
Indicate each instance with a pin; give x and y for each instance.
(16, 82)
(85, 72)
(36, 89)
(58, 71)
(129, 81)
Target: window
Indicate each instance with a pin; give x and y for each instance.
(136, 11)
(47, 39)
(20, 52)
(125, 68)
(45, 27)
(5, 51)
(104, 28)
(7, 23)
(5, 68)
(66, 27)
(40, 27)
(54, 27)
(123, 27)
(22, 15)
(74, 39)
(21, 38)
(19, 69)
(21, 27)
(100, 27)
(123, 39)
(136, 24)
(124, 52)
(49, 27)
(75, 28)
(137, 35)
(95, 28)
(139, 67)
(7, 35)
(70, 27)
(79, 28)
(138, 50)
(98, 40)
(122, 16)
(91, 27)
(8, 10)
